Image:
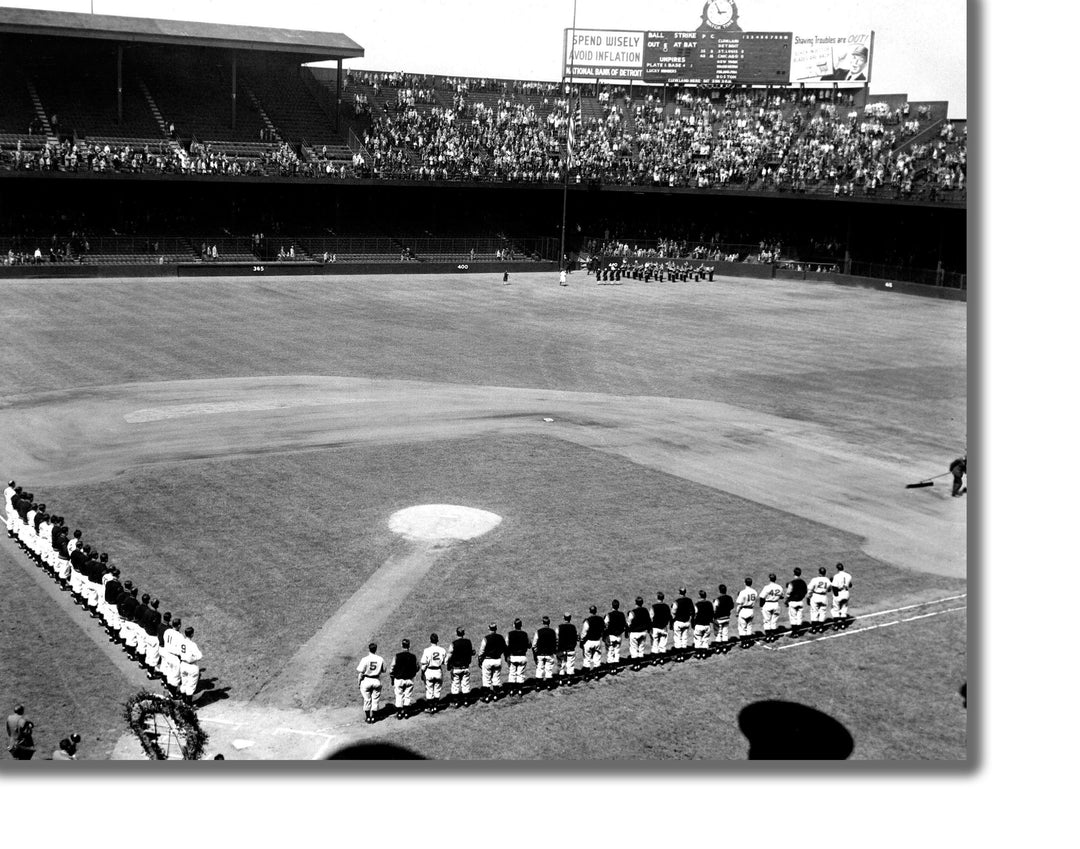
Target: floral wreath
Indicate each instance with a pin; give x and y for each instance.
(139, 711)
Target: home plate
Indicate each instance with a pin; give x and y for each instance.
(549, 420)
(428, 522)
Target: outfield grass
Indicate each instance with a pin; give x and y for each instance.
(886, 371)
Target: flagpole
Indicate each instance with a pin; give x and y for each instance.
(570, 112)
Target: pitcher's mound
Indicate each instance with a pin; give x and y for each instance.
(442, 522)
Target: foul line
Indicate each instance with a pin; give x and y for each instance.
(911, 606)
(861, 630)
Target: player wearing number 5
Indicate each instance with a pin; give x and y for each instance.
(369, 678)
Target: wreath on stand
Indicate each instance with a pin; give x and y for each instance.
(167, 729)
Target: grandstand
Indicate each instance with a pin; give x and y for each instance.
(98, 96)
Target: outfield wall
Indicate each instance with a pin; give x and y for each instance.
(276, 269)
(268, 269)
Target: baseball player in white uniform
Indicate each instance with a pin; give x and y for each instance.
(818, 590)
(744, 604)
(9, 507)
(189, 656)
(432, 662)
(841, 590)
(170, 655)
(771, 596)
(369, 678)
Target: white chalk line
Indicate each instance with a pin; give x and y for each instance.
(911, 606)
(851, 633)
(298, 731)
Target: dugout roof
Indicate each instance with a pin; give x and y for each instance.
(303, 45)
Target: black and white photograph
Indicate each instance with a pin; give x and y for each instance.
(566, 383)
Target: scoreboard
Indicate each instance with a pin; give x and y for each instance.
(718, 58)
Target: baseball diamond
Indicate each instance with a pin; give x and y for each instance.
(269, 513)
(387, 414)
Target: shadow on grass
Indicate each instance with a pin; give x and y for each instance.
(789, 731)
(208, 693)
(374, 752)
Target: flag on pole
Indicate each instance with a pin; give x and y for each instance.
(571, 130)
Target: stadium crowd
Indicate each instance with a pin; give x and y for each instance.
(760, 139)
(696, 628)
(157, 641)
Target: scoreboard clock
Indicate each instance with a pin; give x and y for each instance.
(720, 15)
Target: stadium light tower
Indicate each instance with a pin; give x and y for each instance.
(569, 142)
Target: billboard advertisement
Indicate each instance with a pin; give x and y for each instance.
(844, 59)
(603, 53)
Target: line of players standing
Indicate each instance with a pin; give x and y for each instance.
(706, 623)
(153, 639)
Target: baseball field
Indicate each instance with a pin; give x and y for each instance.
(238, 446)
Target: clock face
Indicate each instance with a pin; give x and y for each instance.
(719, 13)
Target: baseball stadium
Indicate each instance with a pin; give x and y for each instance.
(319, 358)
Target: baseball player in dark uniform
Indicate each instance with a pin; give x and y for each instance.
(545, 645)
(681, 618)
(661, 620)
(592, 640)
(703, 619)
(403, 670)
(638, 630)
(722, 607)
(614, 630)
(461, 655)
(492, 651)
(566, 650)
(517, 656)
(795, 593)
